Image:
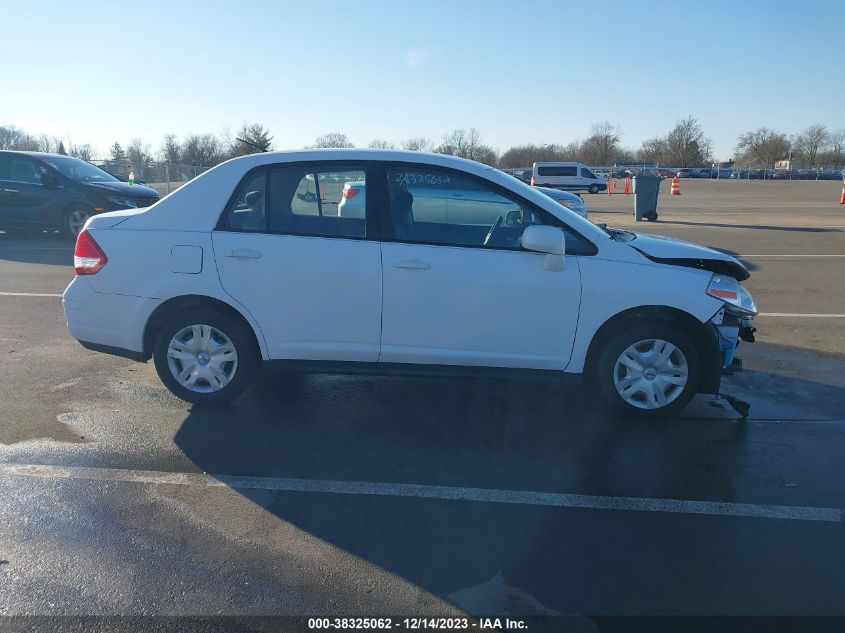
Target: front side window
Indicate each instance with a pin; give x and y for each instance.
(586, 173)
(439, 207)
(300, 200)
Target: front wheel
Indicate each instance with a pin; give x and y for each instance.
(594, 189)
(648, 369)
(205, 357)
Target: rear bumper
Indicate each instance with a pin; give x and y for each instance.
(102, 320)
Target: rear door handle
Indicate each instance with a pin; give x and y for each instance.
(11, 191)
(412, 264)
(244, 253)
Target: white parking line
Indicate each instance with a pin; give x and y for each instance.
(802, 315)
(481, 495)
(28, 294)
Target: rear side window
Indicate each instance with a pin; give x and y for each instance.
(557, 171)
(301, 200)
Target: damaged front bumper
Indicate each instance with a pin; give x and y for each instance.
(730, 330)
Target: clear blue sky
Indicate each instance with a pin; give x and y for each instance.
(519, 71)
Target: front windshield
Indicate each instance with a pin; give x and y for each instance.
(79, 170)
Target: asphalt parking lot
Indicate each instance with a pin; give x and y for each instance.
(362, 496)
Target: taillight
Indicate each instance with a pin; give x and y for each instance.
(88, 257)
(350, 192)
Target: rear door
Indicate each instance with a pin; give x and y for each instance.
(311, 278)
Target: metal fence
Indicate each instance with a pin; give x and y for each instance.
(163, 177)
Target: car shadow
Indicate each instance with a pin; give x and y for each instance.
(489, 434)
(36, 248)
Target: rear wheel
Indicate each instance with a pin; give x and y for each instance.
(74, 219)
(594, 189)
(205, 357)
(648, 369)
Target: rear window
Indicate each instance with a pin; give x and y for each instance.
(557, 171)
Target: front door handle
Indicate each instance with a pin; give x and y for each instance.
(11, 191)
(244, 253)
(412, 264)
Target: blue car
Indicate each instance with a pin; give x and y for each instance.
(57, 192)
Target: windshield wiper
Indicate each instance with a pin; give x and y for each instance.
(625, 236)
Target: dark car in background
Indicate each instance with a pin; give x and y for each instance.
(57, 192)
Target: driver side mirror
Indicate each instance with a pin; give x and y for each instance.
(549, 240)
(544, 239)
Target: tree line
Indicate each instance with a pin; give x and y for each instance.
(685, 145)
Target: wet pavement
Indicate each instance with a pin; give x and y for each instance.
(340, 495)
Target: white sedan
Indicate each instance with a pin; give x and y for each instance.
(454, 267)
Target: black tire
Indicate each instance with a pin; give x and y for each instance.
(629, 334)
(248, 358)
(594, 189)
(70, 220)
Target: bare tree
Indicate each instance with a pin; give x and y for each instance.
(602, 146)
(420, 144)
(333, 139)
(813, 140)
(836, 152)
(378, 143)
(171, 150)
(527, 155)
(654, 150)
(762, 146)
(467, 144)
(687, 145)
(202, 150)
(138, 154)
(83, 152)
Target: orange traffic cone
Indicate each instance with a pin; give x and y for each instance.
(842, 197)
(627, 189)
(610, 184)
(676, 187)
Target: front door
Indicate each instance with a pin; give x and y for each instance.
(310, 278)
(459, 289)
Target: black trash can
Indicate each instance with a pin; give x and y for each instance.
(646, 190)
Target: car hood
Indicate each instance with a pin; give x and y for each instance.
(124, 189)
(674, 252)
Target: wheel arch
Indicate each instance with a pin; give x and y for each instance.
(174, 305)
(703, 335)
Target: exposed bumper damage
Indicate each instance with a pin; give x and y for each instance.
(731, 329)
